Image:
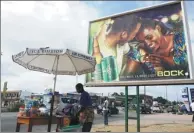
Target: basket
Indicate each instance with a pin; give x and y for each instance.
(72, 128)
(67, 128)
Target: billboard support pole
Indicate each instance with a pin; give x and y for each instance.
(126, 109)
(138, 109)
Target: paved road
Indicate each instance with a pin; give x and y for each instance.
(8, 121)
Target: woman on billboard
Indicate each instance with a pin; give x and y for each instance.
(162, 49)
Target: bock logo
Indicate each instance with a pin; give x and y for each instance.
(172, 73)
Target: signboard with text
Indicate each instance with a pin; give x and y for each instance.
(149, 44)
(192, 94)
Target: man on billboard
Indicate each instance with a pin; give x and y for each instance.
(144, 46)
(161, 48)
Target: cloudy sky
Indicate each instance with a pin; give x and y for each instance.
(61, 24)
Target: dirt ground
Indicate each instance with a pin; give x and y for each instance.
(172, 127)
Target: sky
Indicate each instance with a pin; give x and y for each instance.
(63, 24)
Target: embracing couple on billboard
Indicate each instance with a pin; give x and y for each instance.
(144, 47)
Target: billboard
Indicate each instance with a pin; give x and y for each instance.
(185, 97)
(148, 44)
(192, 94)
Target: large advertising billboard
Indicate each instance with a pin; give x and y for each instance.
(147, 44)
(192, 94)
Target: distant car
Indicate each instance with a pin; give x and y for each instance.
(64, 101)
(170, 109)
(145, 109)
(94, 105)
(114, 110)
(157, 109)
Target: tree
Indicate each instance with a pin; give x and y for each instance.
(115, 94)
(121, 93)
(161, 100)
(174, 103)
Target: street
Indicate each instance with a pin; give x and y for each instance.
(8, 121)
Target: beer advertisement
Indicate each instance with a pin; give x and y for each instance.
(143, 45)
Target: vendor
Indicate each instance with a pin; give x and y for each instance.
(86, 108)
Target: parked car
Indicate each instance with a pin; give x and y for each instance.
(64, 101)
(157, 109)
(95, 105)
(112, 110)
(170, 109)
(145, 109)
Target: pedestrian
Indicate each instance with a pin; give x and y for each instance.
(105, 111)
(192, 107)
(86, 110)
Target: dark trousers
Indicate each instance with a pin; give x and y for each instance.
(87, 127)
(193, 117)
(105, 113)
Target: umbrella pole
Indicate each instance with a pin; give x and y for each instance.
(53, 98)
(76, 78)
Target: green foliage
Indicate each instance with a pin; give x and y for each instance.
(161, 100)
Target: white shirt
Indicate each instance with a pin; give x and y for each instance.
(192, 106)
(105, 107)
(121, 51)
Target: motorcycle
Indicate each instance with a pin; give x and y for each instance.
(100, 110)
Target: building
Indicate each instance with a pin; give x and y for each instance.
(14, 96)
(10, 98)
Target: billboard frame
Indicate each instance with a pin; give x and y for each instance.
(157, 81)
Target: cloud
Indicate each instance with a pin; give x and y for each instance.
(36, 24)
(148, 3)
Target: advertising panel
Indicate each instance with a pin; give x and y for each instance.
(185, 98)
(192, 94)
(147, 44)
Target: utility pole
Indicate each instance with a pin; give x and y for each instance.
(144, 94)
(166, 93)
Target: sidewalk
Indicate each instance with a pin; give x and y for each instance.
(152, 128)
(153, 123)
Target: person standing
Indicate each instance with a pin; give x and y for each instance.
(192, 107)
(105, 111)
(86, 110)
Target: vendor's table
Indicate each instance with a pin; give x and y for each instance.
(31, 121)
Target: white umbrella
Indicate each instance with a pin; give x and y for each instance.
(57, 62)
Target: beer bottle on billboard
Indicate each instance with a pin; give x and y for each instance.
(96, 51)
(97, 75)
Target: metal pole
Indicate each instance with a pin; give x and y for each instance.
(76, 78)
(138, 109)
(126, 108)
(166, 94)
(144, 94)
(53, 98)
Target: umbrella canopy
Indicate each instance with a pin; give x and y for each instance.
(55, 61)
